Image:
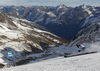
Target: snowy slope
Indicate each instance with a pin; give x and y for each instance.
(23, 36)
(89, 62)
(57, 62)
(91, 34)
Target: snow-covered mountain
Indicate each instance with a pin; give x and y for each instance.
(91, 34)
(61, 20)
(24, 37)
(27, 37)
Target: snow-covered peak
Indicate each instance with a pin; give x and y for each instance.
(87, 9)
(62, 6)
(84, 6)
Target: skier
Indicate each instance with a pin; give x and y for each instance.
(81, 47)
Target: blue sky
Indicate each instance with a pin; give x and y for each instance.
(72, 3)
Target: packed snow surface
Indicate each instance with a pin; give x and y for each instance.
(90, 62)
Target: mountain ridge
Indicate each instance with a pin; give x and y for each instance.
(89, 34)
(60, 20)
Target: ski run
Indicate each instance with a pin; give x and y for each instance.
(88, 62)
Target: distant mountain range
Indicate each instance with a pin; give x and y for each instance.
(61, 20)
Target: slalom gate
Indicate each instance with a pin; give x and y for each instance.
(10, 58)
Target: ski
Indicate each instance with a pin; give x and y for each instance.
(80, 54)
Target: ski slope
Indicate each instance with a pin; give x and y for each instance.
(90, 62)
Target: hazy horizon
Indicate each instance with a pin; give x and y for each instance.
(72, 3)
